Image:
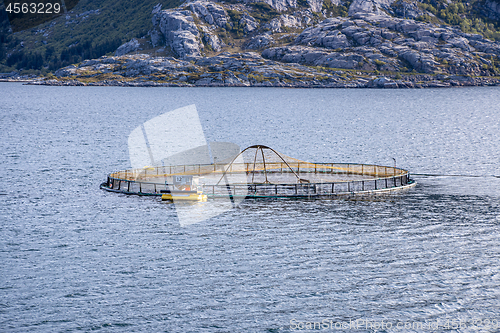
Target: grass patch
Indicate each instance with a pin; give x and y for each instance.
(336, 10)
(262, 12)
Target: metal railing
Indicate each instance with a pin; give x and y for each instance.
(270, 167)
(329, 189)
(154, 180)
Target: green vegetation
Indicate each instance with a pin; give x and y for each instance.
(257, 77)
(302, 3)
(21, 59)
(84, 35)
(334, 10)
(235, 27)
(466, 14)
(263, 13)
(5, 37)
(429, 19)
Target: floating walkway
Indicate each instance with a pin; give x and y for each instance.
(259, 172)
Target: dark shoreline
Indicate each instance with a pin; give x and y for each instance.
(371, 85)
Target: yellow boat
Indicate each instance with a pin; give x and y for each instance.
(185, 196)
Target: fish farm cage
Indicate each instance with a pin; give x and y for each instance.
(259, 172)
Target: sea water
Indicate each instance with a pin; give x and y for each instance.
(75, 258)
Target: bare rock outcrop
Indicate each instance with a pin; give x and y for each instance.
(281, 5)
(315, 5)
(212, 13)
(290, 21)
(131, 46)
(211, 39)
(379, 7)
(366, 42)
(180, 32)
(259, 42)
(249, 23)
(379, 42)
(238, 69)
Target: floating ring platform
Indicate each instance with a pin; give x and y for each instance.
(259, 172)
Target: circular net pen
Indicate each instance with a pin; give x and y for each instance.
(260, 172)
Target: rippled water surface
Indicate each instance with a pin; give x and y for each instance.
(75, 258)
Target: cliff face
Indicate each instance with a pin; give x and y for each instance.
(375, 42)
(370, 40)
(380, 7)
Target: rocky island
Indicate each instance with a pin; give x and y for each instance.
(290, 43)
